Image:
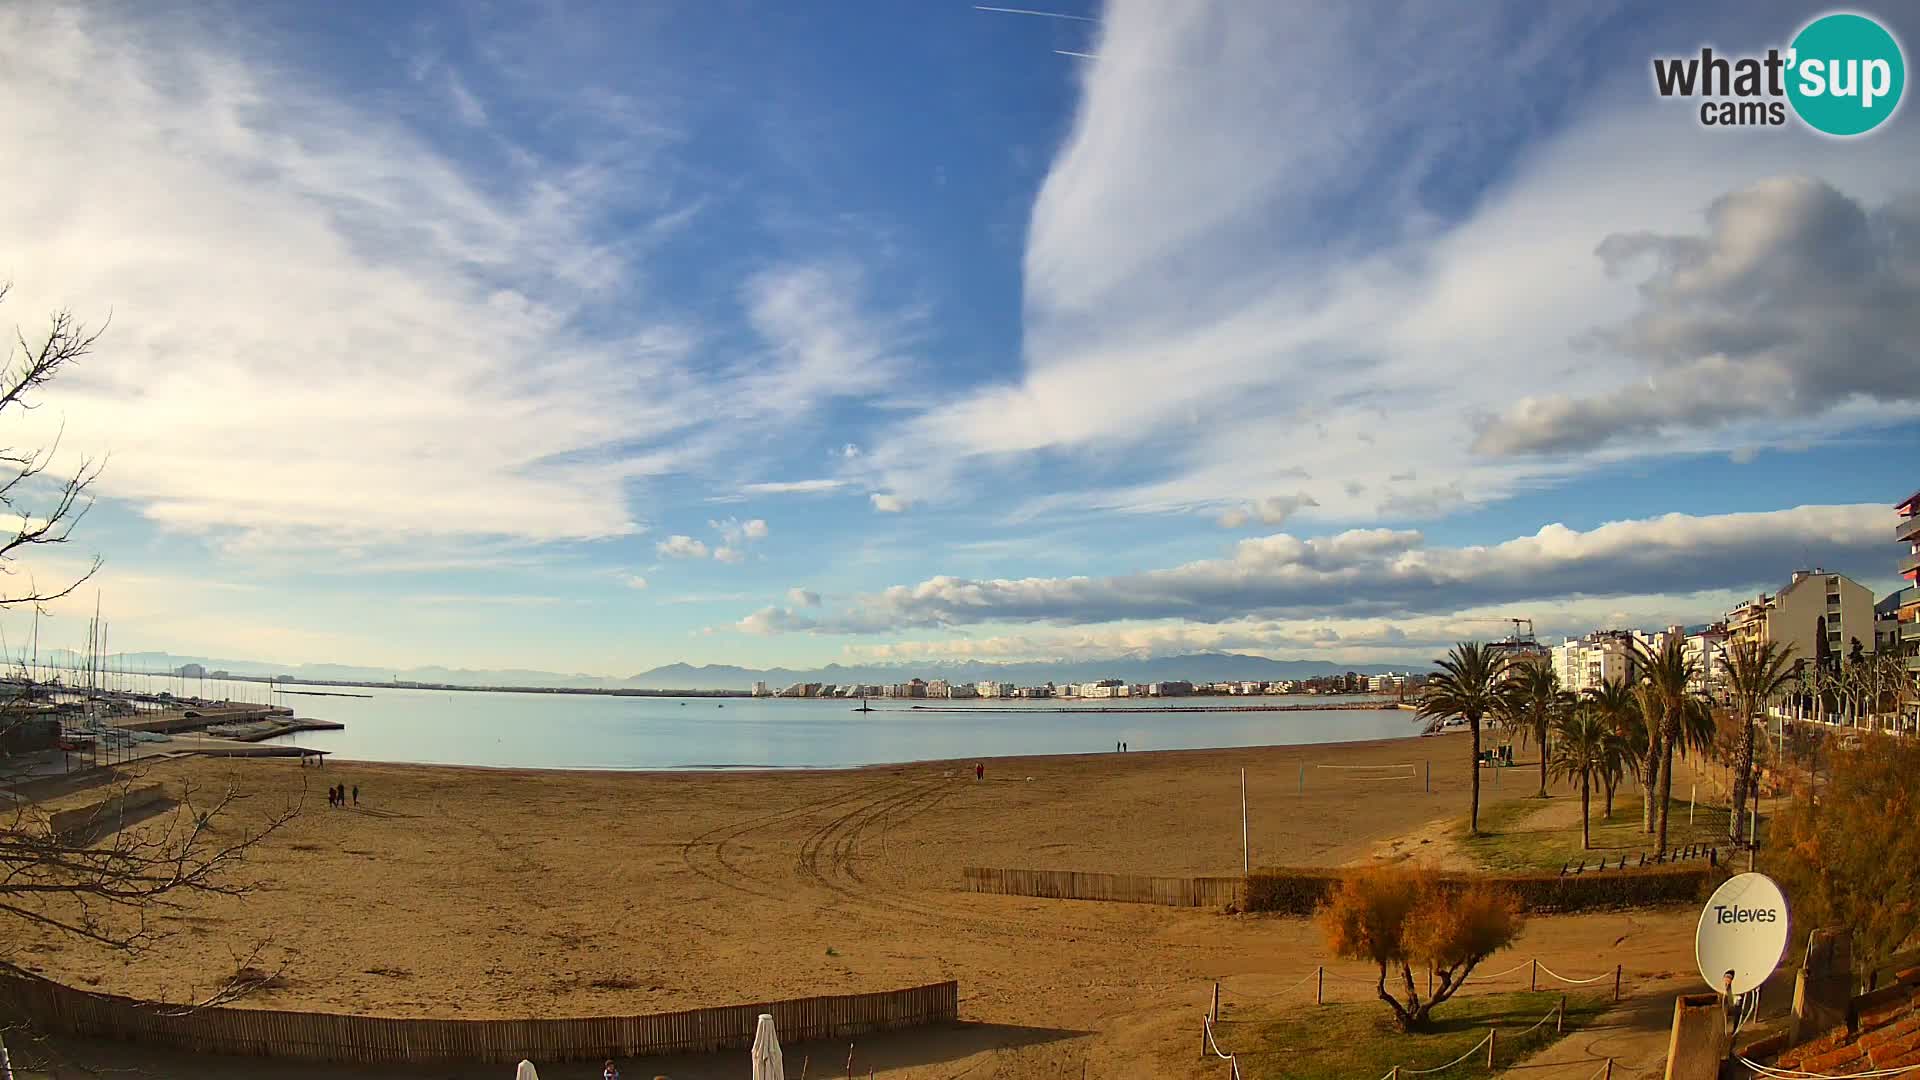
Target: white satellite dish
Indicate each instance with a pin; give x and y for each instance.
(1743, 931)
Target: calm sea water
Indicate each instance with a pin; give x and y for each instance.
(578, 731)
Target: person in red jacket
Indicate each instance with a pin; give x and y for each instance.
(979, 770)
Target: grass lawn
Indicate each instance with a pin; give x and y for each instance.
(1514, 838)
(1358, 1039)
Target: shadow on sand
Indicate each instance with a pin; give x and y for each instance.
(942, 1051)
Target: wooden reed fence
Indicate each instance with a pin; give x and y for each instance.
(384, 1040)
(1215, 892)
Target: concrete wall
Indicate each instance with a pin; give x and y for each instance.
(1698, 1044)
(106, 815)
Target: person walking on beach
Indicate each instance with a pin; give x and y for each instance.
(356, 794)
(979, 770)
(330, 794)
(609, 1073)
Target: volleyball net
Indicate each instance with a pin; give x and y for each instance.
(1329, 775)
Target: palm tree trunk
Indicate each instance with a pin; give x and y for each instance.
(1586, 817)
(1742, 781)
(1609, 783)
(1649, 784)
(1666, 792)
(1473, 812)
(1541, 731)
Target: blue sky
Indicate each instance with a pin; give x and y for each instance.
(591, 337)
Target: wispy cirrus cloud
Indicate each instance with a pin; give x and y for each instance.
(1262, 317)
(430, 347)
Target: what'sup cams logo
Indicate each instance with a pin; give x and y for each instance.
(1842, 75)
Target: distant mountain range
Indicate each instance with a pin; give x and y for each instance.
(1196, 667)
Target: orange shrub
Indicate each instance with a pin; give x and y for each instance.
(1400, 916)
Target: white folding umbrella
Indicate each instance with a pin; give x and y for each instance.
(526, 1071)
(766, 1051)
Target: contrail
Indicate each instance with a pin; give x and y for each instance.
(1081, 55)
(1042, 14)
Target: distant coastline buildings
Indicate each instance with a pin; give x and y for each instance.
(1822, 617)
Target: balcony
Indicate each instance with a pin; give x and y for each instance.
(1910, 565)
(1908, 529)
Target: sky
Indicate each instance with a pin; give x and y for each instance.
(593, 337)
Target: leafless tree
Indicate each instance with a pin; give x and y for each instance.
(103, 877)
(46, 510)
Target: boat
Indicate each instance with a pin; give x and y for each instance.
(864, 707)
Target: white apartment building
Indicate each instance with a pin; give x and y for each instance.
(760, 689)
(1587, 663)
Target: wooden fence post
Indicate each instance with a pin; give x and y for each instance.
(1608, 1075)
(1616, 984)
(1560, 1018)
(1320, 985)
(1214, 1013)
(1533, 976)
(1493, 1037)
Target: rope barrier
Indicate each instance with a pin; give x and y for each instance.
(1576, 982)
(1537, 1023)
(1521, 966)
(1439, 1068)
(1376, 768)
(1232, 1060)
(1795, 1074)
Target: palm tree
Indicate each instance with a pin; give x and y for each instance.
(1587, 748)
(1646, 701)
(1613, 700)
(1468, 686)
(1668, 672)
(1756, 673)
(1530, 702)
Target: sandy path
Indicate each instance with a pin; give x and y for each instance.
(461, 892)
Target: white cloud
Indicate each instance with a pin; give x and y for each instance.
(1796, 299)
(803, 598)
(634, 581)
(1262, 316)
(681, 547)
(888, 504)
(823, 343)
(1411, 640)
(737, 535)
(1384, 573)
(420, 352)
(771, 621)
(1272, 510)
(793, 487)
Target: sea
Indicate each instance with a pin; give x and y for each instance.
(583, 731)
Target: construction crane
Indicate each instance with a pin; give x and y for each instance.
(1517, 623)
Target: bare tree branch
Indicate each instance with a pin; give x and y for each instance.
(28, 367)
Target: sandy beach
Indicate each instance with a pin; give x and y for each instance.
(472, 892)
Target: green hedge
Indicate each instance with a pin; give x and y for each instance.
(1300, 891)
